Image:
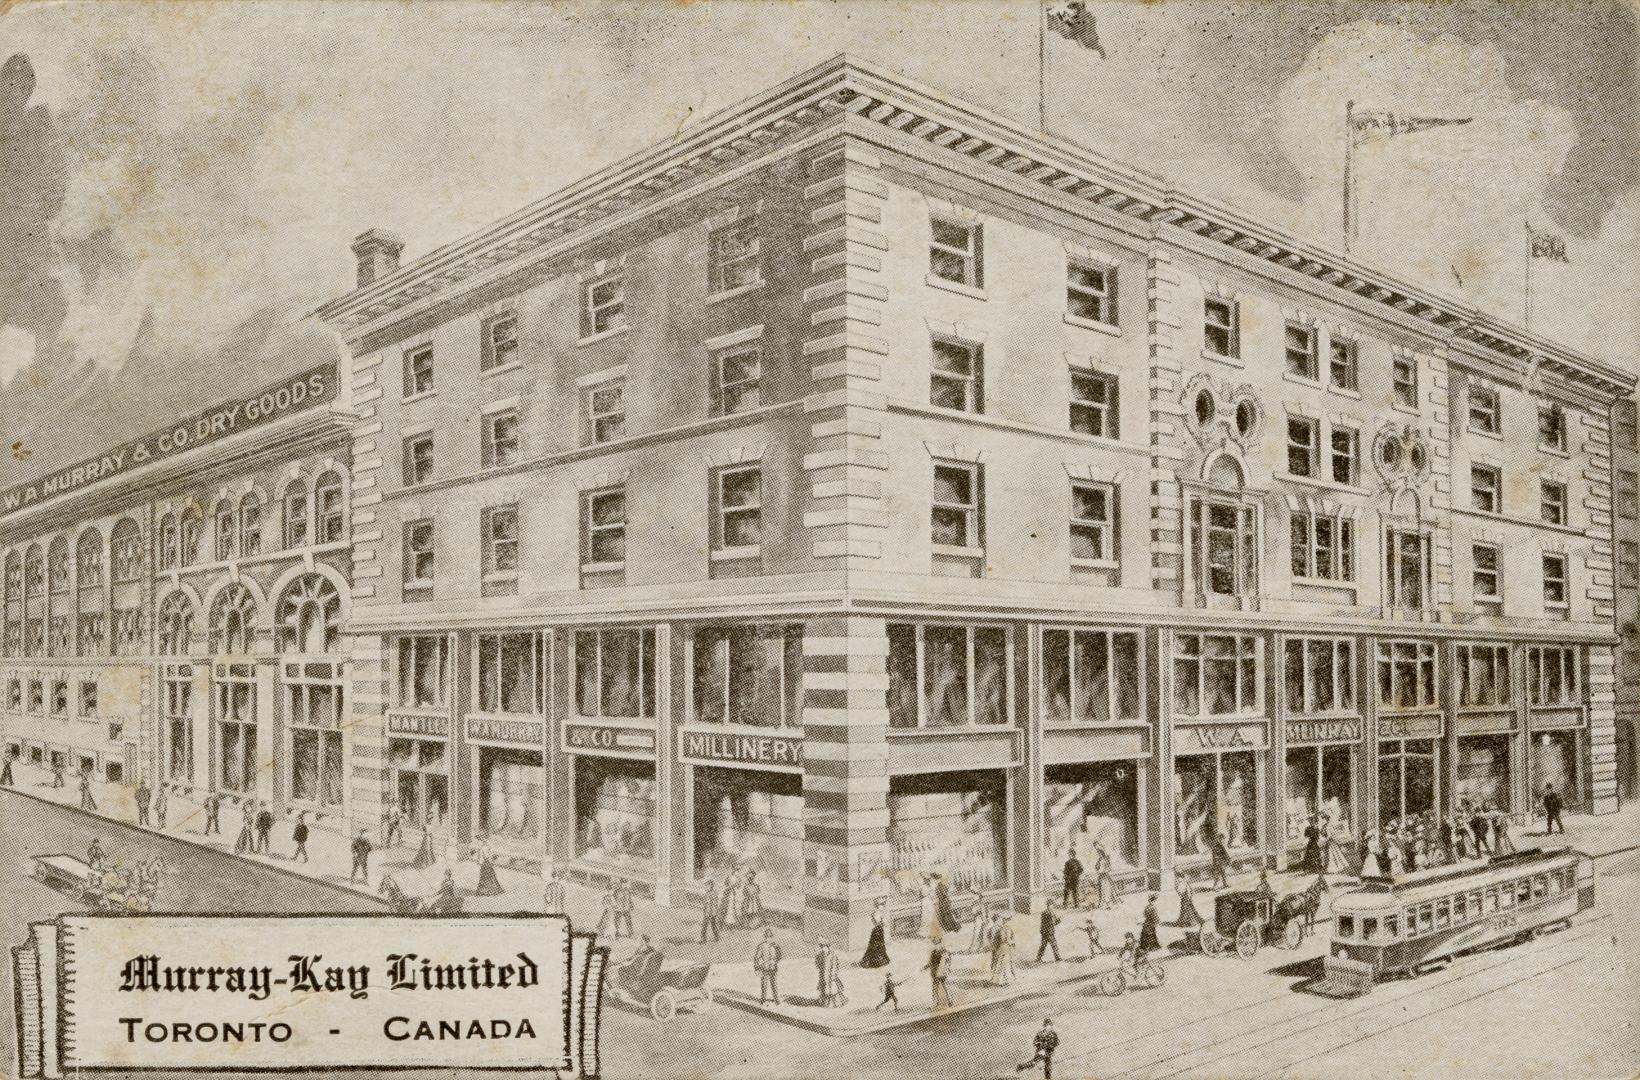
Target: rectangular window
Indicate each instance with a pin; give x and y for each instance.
(59, 697)
(1090, 677)
(227, 526)
(36, 697)
(1406, 674)
(739, 499)
(1302, 360)
(1552, 675)
(418, 554)
(1484, 411)
(14, 695)
(418, 459)
(1405, 381)
(603, 305)
(603, 527)
(509, 677)
(1554, 580)
(1216, 675)
(947, 676)
(606, 411)
(1487, 573)
(423, 671)
(234, 703)
(1341, 366)
(1224, 547)
(1320, 675)
(1627, 425)
(1406, 568)
(500, 445)
(1221, 327)
(1552, 427)
(615, 673)
(1090, 293)
(955, 252)
(499, 525)
(733, 257)
(1553, 502)
(1303, 446)
(956, 520)
(1486, 489)
(956, 375)
(1628, 563)
(499, 345)
(296, 517)
(1483, 675)
(1628, 494)
(1346, 456)
(1093, 522)
(1323, 547)
(418, 371)
(179, 723)
(749, 675)
(737, 378)
(1094, 404)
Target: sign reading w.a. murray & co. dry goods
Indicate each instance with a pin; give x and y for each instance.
(312, 387)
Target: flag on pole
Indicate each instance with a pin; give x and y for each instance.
(1547, 245)
(1370, 124)
(1074, 22)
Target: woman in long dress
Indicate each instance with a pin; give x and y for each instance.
(1335, 862)
(731, 899)
(1501, 844)
(928, 914)
(244, 842)
(1189, 917)
(1102, 874)
(1371, 867)
(1002, 953)
(947, 915)
(488, 883)
(877, 946)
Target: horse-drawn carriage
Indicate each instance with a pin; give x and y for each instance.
(106, 888)
(643, 982)
(1244, 920)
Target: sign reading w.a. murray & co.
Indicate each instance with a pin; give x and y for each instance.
(293, 394)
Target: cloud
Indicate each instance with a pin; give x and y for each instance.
(16, 352)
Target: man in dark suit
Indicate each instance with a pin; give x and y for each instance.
(1045, 1043)
(264, 830)
(1050, 939)
(1073, 881)
(213, 812)
(1552, 806)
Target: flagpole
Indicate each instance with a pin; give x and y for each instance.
(1042, 66)
(1527, 315)
(1349, 164)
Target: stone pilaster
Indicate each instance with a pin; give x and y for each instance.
(1167, 454)
(1602, 691)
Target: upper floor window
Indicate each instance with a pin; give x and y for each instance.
(167, 542)
(227, 529)
(1346, 455)
(1303, 446)
(57, 566)
(1303, 360)
(956, 520)
(1485, 413)
(1093, 521)
(956, 378)
(250, 525)
(89, 559)
(499, 346)
(606, 411)
(1627, 425)
(1323, 546)
(418, 371)
(1627, 493)
(1405, 381)
(499, 529)
(1486, 572)
(1094, 404)
(1224, 547)
(500, 439)
(418, 459)
(1552, 675)
(749, 674)
(126, 545)
(1555, 591)
(955, 252)
(423, 671)
(510, 676)
(308, 618)
(1341, 365)
(1628, 564)
(1090, 293)
(1406, 674)
(36, 696)
(737, 378)
(947, 676)
(615, 673)
(1552, 499)
(1486, 488)
(1551, 426)
(193, 527)
(1216, 674)
(176, 625)
(329, 509)
(734, 254)
(419, 554)
(1406, 568)
(603, 526)
(603, 305)
(1483, 675)
(14, 695)
(233, 622)
(59, 697)
(1319, 675)
(1090, 677)
(296, 515)
(738, 499)
(1221, 326)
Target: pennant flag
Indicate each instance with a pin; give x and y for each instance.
(1548, 246)
(1370, 124)
(1074, 22)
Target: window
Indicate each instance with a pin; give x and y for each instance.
(499, 525)
(418, 371)
(227, 528)
(1346, 456)
(1221, 327)
(1093, 522)
(1090, 677)
(739, 498)
(313, 697)
(233, 622)
(1224, 547)
(167, 545)
(946, 676)
(1406, 674)
(737, 374)
(1486, 489)
(1554, 579)
(956, 506)
(176, 625)
(1405, 381)
(1406, 566)
(419, 554)
(955, 252)
(1323, 546)
(296, 515)
(308, 617)
(749, 675)
(1484, 414)
(603, 306)
(250, 525)
(615, 673)
(510, 670)
(36, 697)
(178, 683)
(193, 527)
(1628, 563)
(606, 411)
(327, 502)
(14, 695)
(1487, 573)
(1320, 675)
(1627, 425)
(1483, 675)
(423, 671)
(1552, 504)
(125, 545)
(418, 459)
(1551, 427)
(1628, 494)
(955, 378)
(1216, 675)
(1094, 404)
(603, 527)
(1303, 446)
(1302, 360)
(88, 697)
(733, 254)
(59, 697)
(500, 439)
(499, 346)
(1090, 293)
(1341, 366)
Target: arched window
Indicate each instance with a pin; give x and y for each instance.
(227, 529)
(88, 572)
(57, 567)
(126, 545)
(296, 514)
(34, 601)
(250, 524)
(233, 622)
(176, 625)
(1226, 474)
(14, 604)
(89, 556)
(309, 615)
(14, 578)
(168, 542)
(60, 583)
(327, 505)
(193, 527)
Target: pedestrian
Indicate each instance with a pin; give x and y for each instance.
(1310, 861)
(1102, 876)
(264, 829)
(213, 814)
(876, 954)
(393, 826)
(1220, 856)
(623, 908)
(86, 801)
(829, 977)
(1501, 844)
(144, 797)
(1445, 837)
(245, 841)
(94, 856)
(552, 893)
(1045, 1043)
(1127, 957)
(1148, 941)
(606, 917)
(1333, 835)
(939, 970)
(1189, 917)
(1073, 882)
(5, 773)
(57, 774)
(766, 962)
(1552, 805)
(943, 911)
(984, 928)
(361, 859)
(1095, 947)
(1477, 829)
(732, 895)
(446, 901)
(751, 901)
(1002, 951)
(709, 915)
(1049, 932)
(489, 884)
(299, 834)
(891, 996)
(162, 806)
(1263, 888)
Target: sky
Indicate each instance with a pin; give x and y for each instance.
(179, 183)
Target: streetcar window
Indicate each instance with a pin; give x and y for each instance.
(1346, 926)
(1443, 914)
(1491, 900)
(1506, 897)
(1391, 927)
(1426, 917)
(1475, 904)
(1523, 891)
(1369, 929)
(1460, 908)
(1540, 886)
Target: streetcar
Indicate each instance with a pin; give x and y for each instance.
(1421, 920)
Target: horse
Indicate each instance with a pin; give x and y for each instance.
(1303, 904)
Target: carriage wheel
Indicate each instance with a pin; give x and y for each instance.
(1153, 975)
(1212, 944)
(1247, 940)
(663, 1006)
(1293, 935)
(1112, 983)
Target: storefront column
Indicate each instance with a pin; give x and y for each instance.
(1275, 802)
(268, 786)
(463, 759)
(202, 776)
(1601, 681)
(1446, 691)
(560, 842)
(1520, 743)
(1366, 780)
(1028, 832)
(845, 776)
(1161, 807)
(670, 873)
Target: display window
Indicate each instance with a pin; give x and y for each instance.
(234, 699)
(1318, 785)
(1096, 802)
(750, 820)
(512, 793)
(1554, 761)
(1483, 772)
(951, 824)
(615, 811)
(1406, 779)
(1215, 792)
(419, 772)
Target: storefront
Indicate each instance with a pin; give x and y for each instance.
(746, 803)
(418, 767)
(1408, 766)
(1216, 784)
(233, 706)
(1485, 772)
(510, 781)
(953, 824)
(313, 725)
(1558, 725)
(1555, 757)
(1088, 804)
(612, 774)
(1320, 776)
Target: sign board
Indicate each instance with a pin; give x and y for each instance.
(1338, 729)
(1496, 722)
(703, 747)
(609, 739)
(411, 724)
(515, 732)
(1199, 738)
(1428, 726)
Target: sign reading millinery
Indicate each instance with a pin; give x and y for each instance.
(1334, 730)
(411, 724)
(719, 747)
(313, 387)
(609, 738)
(1409, 727)
(523, 732)
(1197, 737)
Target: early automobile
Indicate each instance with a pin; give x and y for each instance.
(643, 982)
(1243, 920)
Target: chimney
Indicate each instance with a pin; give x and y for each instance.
(378, 254)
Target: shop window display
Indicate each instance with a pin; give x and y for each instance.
(1406, 779)
(420, 781)
(1090, 676)
(615, 811)
(1483, 771)
(1215, 792)
(1318, 785)
(1554, 761)
(749, 675)
(512, 792)
(951, 824)
(750, 821)
(1097, 802)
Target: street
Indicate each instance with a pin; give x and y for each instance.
(1560, 1006)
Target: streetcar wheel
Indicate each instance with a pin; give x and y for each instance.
(1247, 940)
(1293, 935)
(663, 1006)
